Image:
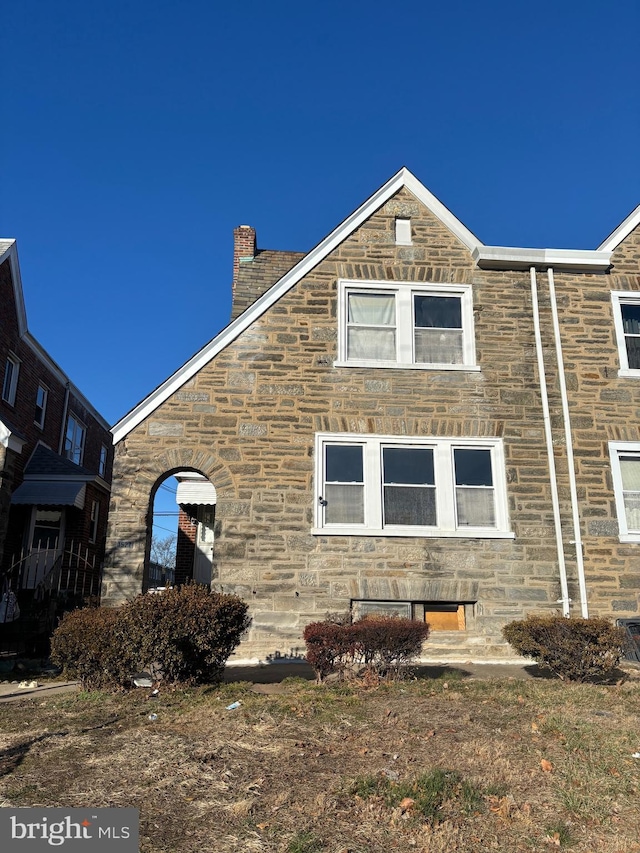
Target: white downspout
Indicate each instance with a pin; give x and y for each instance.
(555, 502)
(577, 541)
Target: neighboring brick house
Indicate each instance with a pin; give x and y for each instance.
(56, 457)
(405, 420)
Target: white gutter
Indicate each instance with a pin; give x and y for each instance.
(515, 258)
(546, 416)
(577, 541)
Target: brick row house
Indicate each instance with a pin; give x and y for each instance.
(56, 456)
(402, 420)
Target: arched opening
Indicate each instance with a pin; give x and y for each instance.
(183, 529)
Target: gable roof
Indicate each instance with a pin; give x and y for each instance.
(496, 257)
(621, 232)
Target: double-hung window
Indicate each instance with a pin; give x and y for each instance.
(397, 486)
(389, 324)
(74, 440)
(625, 469)
(626, 314)
(10, 383)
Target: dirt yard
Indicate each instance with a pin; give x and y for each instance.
(435, 764)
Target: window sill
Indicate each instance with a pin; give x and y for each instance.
(471, 533)
(629, 537)
(627, 372)
(470, 368)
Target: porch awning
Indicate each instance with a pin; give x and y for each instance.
(194, 489)
(50, 493)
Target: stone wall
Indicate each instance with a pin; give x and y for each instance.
(248, 421)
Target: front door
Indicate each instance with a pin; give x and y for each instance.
(203, 555)
(46, 538)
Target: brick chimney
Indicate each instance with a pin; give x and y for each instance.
(244, 249)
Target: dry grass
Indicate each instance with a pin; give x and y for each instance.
(539, 765)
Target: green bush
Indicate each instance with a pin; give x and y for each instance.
(90, 646)
(379, 644)
(182, 635)
(575, 649)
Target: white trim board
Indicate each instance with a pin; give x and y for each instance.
(622, 231)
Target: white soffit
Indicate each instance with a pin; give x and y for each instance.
(403, 178)
(508, 257)
(622, 231)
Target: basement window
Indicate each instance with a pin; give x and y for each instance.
(440, 615)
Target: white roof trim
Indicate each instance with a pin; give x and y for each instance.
(10, 440)
(403, 178)
(623, 230)
(506, 257)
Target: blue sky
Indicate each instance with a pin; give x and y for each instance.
(137, 135)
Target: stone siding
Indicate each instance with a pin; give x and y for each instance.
(249, 418)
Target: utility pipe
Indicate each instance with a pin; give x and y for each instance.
(577, 540)
(546, 416)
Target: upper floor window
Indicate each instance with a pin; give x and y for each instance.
(10, 383)
(41, 406)
(391, 486)
(102, 465)
(74, 440)
(386, 324)
(626, 314)
(625, 469)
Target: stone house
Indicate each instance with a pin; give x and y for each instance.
(403, 420)
(56, 457)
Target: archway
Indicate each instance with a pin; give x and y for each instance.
(184, 505)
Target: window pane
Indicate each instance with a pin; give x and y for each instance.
(630, 470)
(633, 352)
(384, 608)
(434, 346)
(630, 318)
(345, 504)
(410, 505)
(475, 507)
(344, 463)
(46, 530)
(632, 511)
(372, 309)
(473, 467)
(377, 344)
(408, 465)
(438, 312)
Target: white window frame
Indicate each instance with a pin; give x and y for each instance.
(619, 298)
(43, 408)
(10, 381)
(77, 440)
(616, 450)
(404, 293)
(444, 487)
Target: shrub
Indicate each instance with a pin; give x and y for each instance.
(180, 635)
(185, 634)
(381, 644)
(575, 649)
(387, 643)
(89, 645)
(330, 647)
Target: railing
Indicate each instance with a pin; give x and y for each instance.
(47, 582)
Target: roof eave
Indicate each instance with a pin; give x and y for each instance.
(513, 258)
